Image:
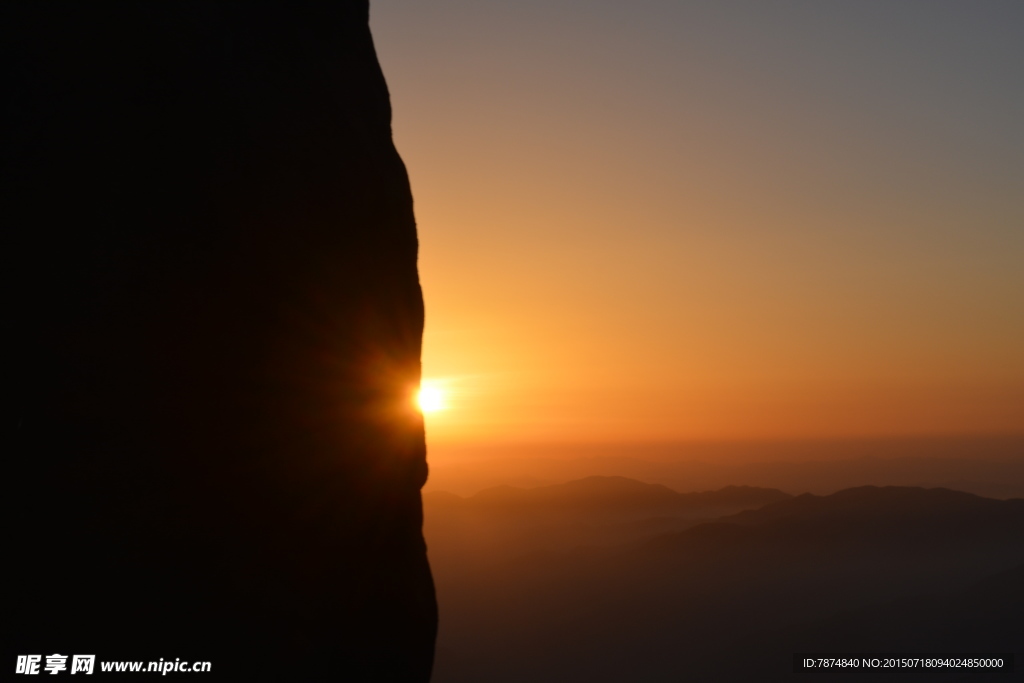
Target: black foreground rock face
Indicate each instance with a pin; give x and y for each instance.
(212, 321)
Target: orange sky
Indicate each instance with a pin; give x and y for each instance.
(652, 221)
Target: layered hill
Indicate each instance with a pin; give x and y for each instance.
(732, 599)
(503, 522)
(613, 494)
(869, 516)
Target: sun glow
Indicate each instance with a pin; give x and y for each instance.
(430, 398)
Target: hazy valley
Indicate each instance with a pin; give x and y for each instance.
(612, 579)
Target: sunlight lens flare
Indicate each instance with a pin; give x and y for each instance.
(430, 398)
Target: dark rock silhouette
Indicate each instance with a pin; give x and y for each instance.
(213, 323)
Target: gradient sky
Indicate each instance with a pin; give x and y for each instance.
(659, 219)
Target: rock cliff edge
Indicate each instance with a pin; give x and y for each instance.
(213, 320)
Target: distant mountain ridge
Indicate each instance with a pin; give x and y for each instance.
(868, 514)
(977, 467)
(885, 500)
(505, 522)
(613, 491)
(865, 522)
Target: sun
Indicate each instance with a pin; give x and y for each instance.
(430, 398)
